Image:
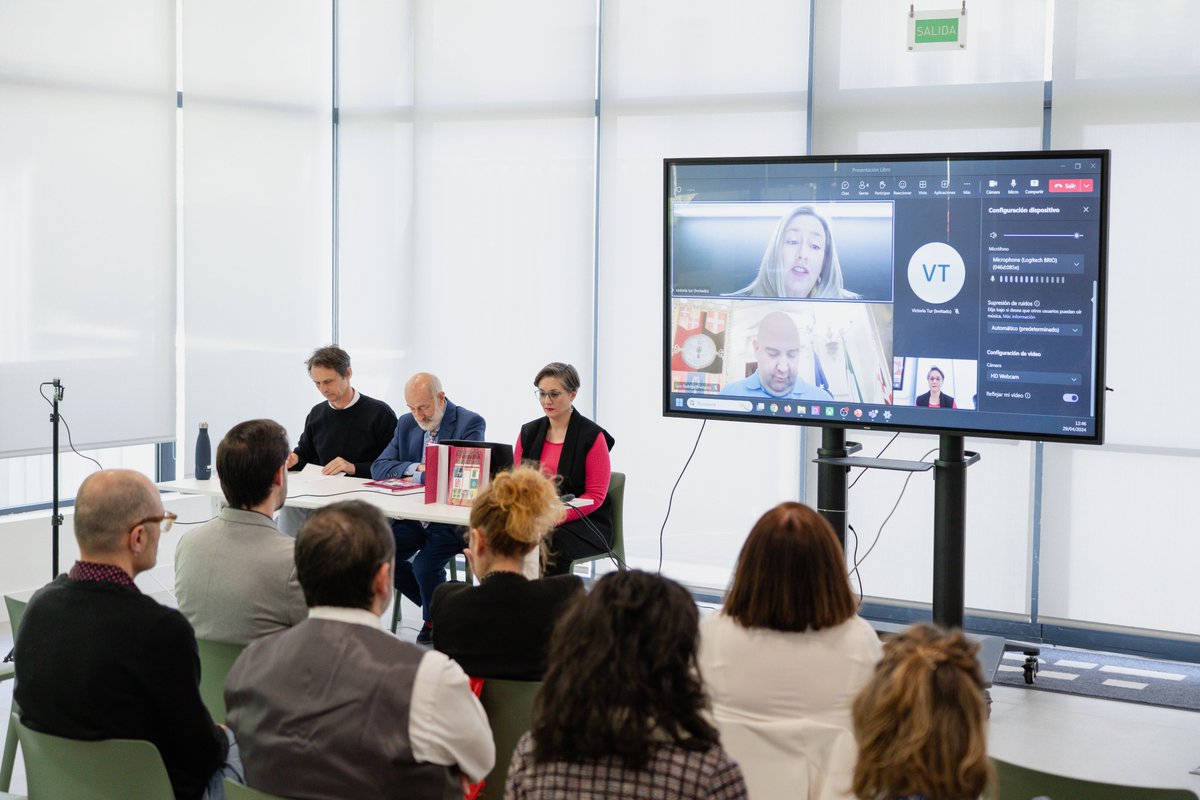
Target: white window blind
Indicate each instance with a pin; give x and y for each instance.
(87, 221)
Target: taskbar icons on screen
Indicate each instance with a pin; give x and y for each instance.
(793, 408)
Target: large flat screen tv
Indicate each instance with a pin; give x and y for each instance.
(958, 293)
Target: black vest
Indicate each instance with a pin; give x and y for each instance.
(572, 464)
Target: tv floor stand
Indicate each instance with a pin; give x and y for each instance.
(834, 460)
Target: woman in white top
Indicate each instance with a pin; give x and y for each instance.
(789, 643)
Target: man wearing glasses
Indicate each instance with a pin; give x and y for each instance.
(97, 659)
(431, 418)
(235, 576)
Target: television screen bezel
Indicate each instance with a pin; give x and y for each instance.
(1099, 387)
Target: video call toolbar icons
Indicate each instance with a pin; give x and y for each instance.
(1023, 185)
(782, 409)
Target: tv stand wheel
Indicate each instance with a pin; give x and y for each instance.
(1031, 668)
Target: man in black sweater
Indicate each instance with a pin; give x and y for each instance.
(97, 659)
(349, 430)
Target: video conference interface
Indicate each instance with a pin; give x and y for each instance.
(939, 293)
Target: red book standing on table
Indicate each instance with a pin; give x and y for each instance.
(455, 475)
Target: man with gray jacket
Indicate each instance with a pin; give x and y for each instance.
(235, 577)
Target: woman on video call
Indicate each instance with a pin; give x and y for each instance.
(568, 444)
(935, 397)
(801, 261)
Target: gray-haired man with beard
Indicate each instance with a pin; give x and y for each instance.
(431, 419)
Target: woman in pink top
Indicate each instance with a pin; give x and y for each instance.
(572, 447)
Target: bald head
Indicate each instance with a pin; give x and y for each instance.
(424, 382)
(425, 399)
(777, 349)
(109, 503)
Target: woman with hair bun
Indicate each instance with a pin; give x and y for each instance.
(501, 628)
(921, 722)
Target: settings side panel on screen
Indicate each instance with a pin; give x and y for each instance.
(1040, 267)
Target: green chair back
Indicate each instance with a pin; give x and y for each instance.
(236, 791)
(216, 658)
(616, 499)
(9, 757)
(509, 706)
(1022, 783)
(110, 769)
(15, 609)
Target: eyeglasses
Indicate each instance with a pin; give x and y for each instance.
(165, 521)
(551, 395)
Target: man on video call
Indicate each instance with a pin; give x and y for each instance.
(777, 349)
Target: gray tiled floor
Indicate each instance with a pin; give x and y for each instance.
(1099, 739)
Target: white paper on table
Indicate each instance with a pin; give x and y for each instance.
(310, 474)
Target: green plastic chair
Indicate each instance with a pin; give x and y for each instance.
(109, 769)
(216, 658)
(616, 497)
(10, 752)
(15, 609)
(9, 758)
(509, 707)
(236, 791)
(1023, 783)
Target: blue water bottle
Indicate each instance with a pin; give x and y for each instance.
(203, 454)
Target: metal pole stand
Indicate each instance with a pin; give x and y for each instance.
(56, 518)
(831, 478)
(949, 529)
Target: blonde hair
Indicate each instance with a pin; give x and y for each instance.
(516, 511)
(768, 283)
(921, 721)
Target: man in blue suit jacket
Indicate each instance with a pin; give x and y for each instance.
(431, 419)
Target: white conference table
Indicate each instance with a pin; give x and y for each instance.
(310, 489)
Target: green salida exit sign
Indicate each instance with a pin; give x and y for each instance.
(937, 30)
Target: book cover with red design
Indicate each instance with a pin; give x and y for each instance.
(455, 475)
(394, 484)
(468, 474)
